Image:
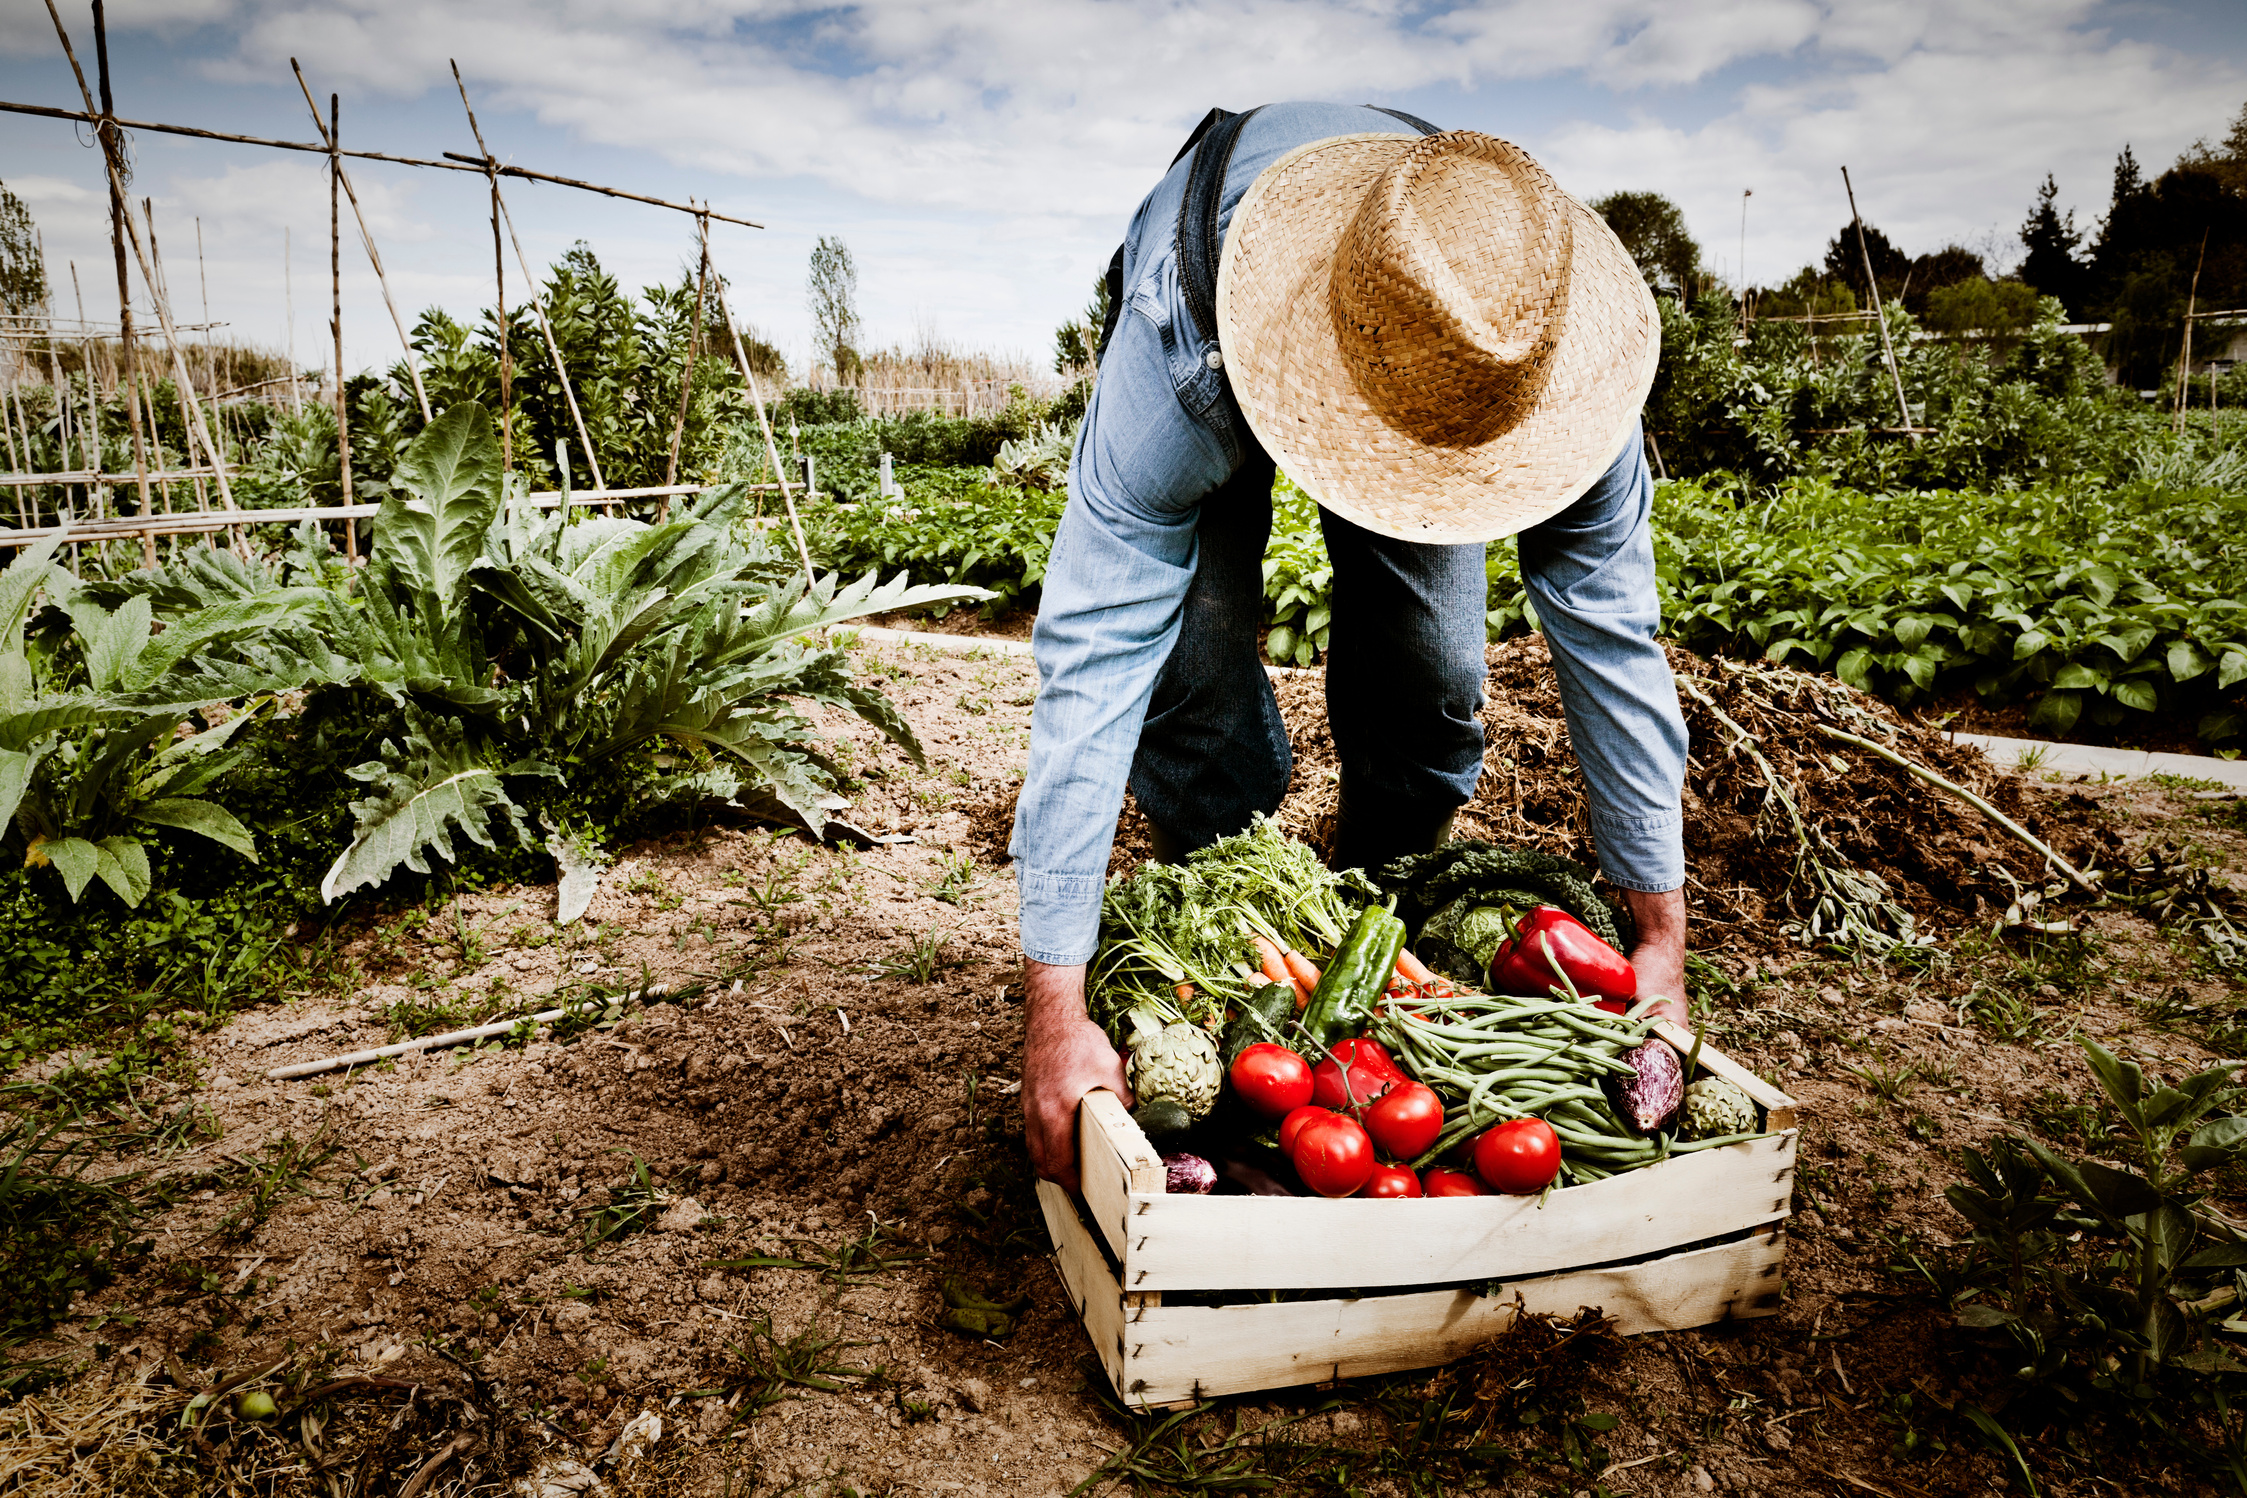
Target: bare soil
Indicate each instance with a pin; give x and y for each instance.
(827, 1123)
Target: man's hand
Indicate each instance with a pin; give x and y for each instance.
(1659, 957)
(1064, 1056)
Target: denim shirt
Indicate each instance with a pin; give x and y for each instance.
(1161, 432)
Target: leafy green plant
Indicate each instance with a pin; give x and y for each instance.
(966, 532)
(2142, 1319)
(518, 650)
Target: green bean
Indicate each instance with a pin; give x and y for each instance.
(1684, 1146)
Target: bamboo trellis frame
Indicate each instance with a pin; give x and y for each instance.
(110, 128)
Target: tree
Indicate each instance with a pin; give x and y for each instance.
(2050, 239)
(1846, 263)
(833, 288)
(1948, 266)
(23, 274)
(1980, 305)
(1653, 229)
(2226, 161)
(1076, 344)
(1809, 293)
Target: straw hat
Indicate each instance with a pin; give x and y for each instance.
(1429, 336)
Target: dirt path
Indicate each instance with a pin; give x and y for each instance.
(740, 1209)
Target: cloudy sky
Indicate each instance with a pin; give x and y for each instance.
(981, 156)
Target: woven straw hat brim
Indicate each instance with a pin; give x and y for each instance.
(1277, 333)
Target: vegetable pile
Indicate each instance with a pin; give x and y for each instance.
(1283, 1036)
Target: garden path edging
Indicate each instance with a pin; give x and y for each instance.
(2119, 764)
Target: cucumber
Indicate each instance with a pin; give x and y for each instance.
(1260, 1019)
(1160, 1117)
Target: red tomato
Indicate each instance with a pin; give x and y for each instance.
(1441, 1182)
(1519, 1157)
(1390, 1181)
(1272, 1079)
(1612, 1006)
(1333, 1155)
(1405, 1120)
(1365, 1054)
(1365, 1084)
(1292, 1125)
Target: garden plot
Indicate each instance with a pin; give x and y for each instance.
(832, 1169)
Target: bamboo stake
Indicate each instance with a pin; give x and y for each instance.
(1888, 349)
(772, 448)
(288, 311)
(54, 360)
(2184, 359)
(366, 237)
(100, 491)
(181, 390)
(335, 325)
(694, 344)
(458, 164)
(2087, 885)
(530, 282)
(113, 152)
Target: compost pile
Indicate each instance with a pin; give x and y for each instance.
(1779, 814)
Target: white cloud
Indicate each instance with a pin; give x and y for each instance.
(982, 155)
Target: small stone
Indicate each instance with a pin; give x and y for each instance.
(1927, 1013)
(1702, 1482)
(682, 1216)
(1827, 995)
(1891, 1024)
(1776, 1437)
(971, 1395)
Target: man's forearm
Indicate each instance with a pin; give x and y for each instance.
(1064, 1056)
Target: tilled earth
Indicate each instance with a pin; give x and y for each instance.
(739, 1199)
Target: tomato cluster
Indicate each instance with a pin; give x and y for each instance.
(1339, 1119)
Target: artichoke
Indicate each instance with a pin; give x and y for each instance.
(1178, 1062)
(1713, 1107)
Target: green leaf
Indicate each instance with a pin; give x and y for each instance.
(74, 858)
(2222, 1256)
(1981, 1317)
(432, 539)
(1279, 645)
(425, 789)
(2232, 669)
(2077, 677)
(2029, 643)
(205, 817)
(2137, 694)
(1855, 669)
(2187, 660)
(123, 866)
(16, 766)
(1912, 630)
(2124, 1081)
(2121, 1192)
(2055, 713)
(2212, 1144)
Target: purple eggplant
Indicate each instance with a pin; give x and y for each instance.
(1188, 1175)
(1649, 1097)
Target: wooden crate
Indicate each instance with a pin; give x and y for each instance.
(1618, 1244)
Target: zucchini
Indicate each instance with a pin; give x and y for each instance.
(1161, 1117)
(1262, 1018)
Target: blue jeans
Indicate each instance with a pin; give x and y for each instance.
(1145, 637)
(1404, 673)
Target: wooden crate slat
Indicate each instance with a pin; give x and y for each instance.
(1300, 1243)
(1116, 1163)
(1188, 1352)
(1084, 1275)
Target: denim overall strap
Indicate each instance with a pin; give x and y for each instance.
(1198, 249)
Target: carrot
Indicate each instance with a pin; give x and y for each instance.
(1273, 965)
(1413, 968)
(1305, 975)
(1185, 992)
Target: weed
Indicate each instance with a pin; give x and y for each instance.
(920, 962)
(282, 1169)
(769, 1369)
(2005, 1015)
(956, 880)
(632, 1206)
(1890, 1084)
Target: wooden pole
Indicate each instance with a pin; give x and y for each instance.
(1888, 349)
(2184, 358)
(113, 154)
(366, 237)
(335, 322)
(288, 311)
(54, 360)
(694, 344)
(100, 491)
(457, 164)
(772, 448)
(183, 387)
(530, 282)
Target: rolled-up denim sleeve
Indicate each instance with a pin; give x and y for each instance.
(1114, 592)
(1590, 574)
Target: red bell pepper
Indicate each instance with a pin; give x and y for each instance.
(1549, 946)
